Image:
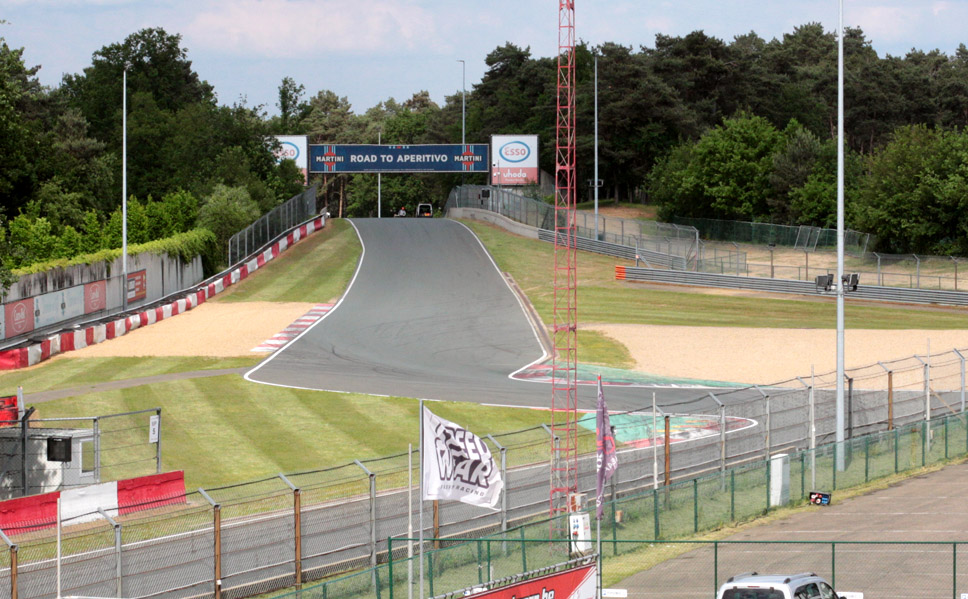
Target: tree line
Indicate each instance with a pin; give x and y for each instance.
(702, 127)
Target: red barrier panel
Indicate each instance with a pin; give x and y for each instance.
(67, 342)
(28, 513)
(576, 583)
(44, 349)
(201, 298)
(244, 271)
(89, 335)
(149, 492)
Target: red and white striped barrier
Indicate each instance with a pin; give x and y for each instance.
(81, 504)
(64, 342)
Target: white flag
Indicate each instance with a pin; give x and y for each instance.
(456, 464)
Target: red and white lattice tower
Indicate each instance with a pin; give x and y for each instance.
(564, 387)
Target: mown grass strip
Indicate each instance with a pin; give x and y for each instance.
(317, 269)
(602, 299)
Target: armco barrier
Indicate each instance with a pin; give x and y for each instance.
(73, 340)
(863, 292)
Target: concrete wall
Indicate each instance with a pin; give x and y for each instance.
(62, 295)
(495, 219)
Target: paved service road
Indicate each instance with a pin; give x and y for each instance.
(429, 315)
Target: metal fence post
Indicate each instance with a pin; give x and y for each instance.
(504, 477)
(962, 359)
(117, 549)
(722, 440)
(158, 445)
(297, 528)
(13, 564)
(372, 478)
(927, 403)
(890, 396)
(217, 542)
(766, 443)
(97, 449)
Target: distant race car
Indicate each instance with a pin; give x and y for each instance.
(425, 210)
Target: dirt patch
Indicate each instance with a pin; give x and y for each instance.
(217, 329)
(766, 356)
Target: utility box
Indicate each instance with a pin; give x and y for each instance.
(779, 480)
(56, 459)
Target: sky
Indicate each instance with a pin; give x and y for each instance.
(372, 50)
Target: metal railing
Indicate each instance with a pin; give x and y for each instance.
(297, 209)
(668, 243)
(728, 281)
(264, 535)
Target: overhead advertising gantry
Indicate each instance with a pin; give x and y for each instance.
(374, 158)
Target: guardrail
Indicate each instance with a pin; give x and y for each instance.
(621, 251)
(865, 292)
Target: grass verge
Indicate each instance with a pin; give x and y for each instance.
(603, 299)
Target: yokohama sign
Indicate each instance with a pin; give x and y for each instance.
(577, 583)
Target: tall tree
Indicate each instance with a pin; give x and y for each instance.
(157, 65)
(291, 107)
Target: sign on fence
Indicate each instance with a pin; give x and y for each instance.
(576, 583)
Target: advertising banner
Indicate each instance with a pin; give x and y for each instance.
(95, 296)
(457, 464)
(18, 317)
(515, 160)
(577, 583)
(137, 285)
(372, 158)
(294, 147)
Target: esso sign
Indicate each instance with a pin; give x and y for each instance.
(287, 151)
(514, 151)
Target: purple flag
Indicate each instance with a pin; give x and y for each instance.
(607, 460)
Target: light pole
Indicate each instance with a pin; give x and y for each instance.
(124, 187)
(463, 103)
(463, 114)
(840, 241)
(596, 148)
(379, 182)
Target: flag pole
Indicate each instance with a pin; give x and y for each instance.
(655, 449)
(409, 520)
(598, 529)
(421, 533)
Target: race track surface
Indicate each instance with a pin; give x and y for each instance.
(428, 315)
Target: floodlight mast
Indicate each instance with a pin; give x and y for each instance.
(840, 241)
(564, 388)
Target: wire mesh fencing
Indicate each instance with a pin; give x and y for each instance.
(643, 235)
(713, 459)
(92, 449)
(295, 210)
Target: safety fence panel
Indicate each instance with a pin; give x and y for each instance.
(297, 209)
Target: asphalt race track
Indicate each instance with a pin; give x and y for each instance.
(429, 315)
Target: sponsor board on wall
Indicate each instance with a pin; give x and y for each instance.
(137, 285)
(295, 148)
(514, 159)
(372, 158)
(18, 317)
(95, 296)
(576, 583)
